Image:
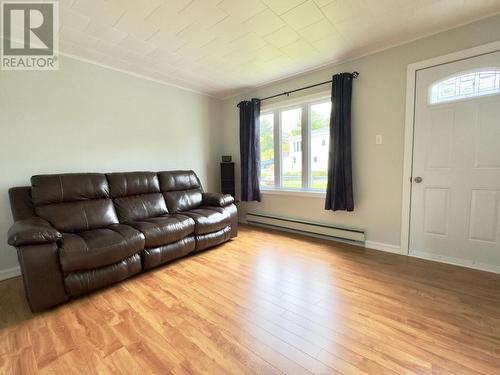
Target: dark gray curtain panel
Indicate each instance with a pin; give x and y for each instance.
(339, 191)
(250, 149)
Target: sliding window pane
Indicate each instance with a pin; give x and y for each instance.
(291, 149)
(320, 138)
(267, 150)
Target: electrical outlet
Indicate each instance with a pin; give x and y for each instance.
(378, 139)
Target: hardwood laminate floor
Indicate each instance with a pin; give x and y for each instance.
(266, 303)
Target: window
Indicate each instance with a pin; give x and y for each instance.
(267, 150)
(291, 134)
(466, 86)
(320, 135)
(299, 137)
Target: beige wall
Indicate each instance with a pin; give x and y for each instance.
(88, 118)
(378, 108)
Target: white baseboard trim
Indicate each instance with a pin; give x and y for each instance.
(9, 273)
(455, 261)
(383, 247)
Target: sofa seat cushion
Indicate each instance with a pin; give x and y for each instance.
(99, 247)
(204, 241)
(155, 256)
(81, 282)
(163, 230)
(208, 220)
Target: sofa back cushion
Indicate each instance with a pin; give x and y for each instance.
(73, 202)
(182, 190)
(136, 195)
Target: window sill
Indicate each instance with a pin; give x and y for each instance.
(298, 193)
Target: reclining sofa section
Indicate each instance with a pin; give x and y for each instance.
(76, 233)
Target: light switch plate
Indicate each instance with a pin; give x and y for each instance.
(378, 139)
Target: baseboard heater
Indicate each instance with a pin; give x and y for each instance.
(305, 227)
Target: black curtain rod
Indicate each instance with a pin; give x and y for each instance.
(287, 93)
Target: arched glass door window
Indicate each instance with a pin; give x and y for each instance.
(466, 85)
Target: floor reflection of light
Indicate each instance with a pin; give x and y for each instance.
(307, 288)
(294, 298)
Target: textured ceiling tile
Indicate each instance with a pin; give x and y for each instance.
(241, 10)
(105, 32)
(141, 9)
(318, 31)
(220, 46)
(342, 10)
(74, 20)
(167, 18)
(136, 45)
(112, 49)
(66, 4)
(282, 37)
(189, 53)
(282, 6)
(80, 38)
(239, 57)
(298, 49)
(436, 12)
(99, 10)
(389, 6)
(264, 23)
(167, 41)
(196, 35)
(160, 54)
(322, 3)
(303, 15)
(283, 62)
(482, 7)
(330, 45)
(267, 53)
(353, 28)
(132, 23)
(215, 47)
(248, 42)
(229, 29)
(203, 14)
(79, 51)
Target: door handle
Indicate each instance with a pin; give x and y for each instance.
(418, 179)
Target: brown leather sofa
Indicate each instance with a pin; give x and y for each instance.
(76, 233)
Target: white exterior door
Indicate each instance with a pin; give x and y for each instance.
(455, 198)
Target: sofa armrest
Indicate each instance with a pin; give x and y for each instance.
(217, 199)
(33, 231)
(42, 275)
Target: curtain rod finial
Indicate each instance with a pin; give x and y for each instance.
(355, 74)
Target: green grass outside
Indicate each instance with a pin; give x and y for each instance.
(294, 180)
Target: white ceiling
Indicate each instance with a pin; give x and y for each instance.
(220, 47)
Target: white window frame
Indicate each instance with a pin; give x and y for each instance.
(275, 109)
